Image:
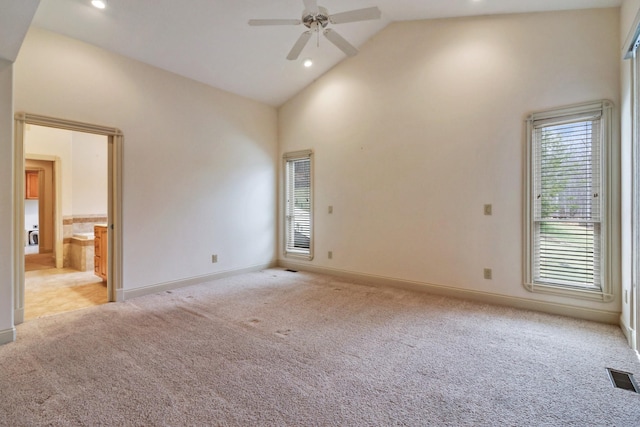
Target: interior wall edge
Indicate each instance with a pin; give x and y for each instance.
(196, 280)
(628, 331)
(601, 316)
(7, 336)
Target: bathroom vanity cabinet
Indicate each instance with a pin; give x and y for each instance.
(100, 256)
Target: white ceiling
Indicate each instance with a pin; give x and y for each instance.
(210, 41)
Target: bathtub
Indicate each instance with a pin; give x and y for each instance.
(84, 236)
(81, 251)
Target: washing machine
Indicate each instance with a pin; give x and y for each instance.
(33, 237)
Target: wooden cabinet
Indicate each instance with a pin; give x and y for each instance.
(100, 256)
(31, 184)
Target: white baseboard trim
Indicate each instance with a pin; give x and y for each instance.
(629, 333)
(18, 316)
(601, 316)
(175, 284)
(7, 336)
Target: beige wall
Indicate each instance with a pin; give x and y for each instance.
(628, 12)
(199, 163)
(426, 125)
(411, 137)
(50, 142)
(83, 160)
(90, 174)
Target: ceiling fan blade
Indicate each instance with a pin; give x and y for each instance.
(311, 6)
(300, 44)
(355, 15)
(261, 22)
(340, 42)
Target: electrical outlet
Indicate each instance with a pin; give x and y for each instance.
(330, 254)
(488, 209)
(487, 273)
(214, 258)
(330, 209)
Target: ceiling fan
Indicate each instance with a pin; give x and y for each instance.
(316, 18)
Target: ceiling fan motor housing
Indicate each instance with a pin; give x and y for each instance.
(320, 19)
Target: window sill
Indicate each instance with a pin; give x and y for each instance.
(592, 295)
(299, 255)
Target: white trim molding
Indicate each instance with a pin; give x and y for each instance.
(602, 316)
(629, 332)
(7, 336)
(115, 153)
(631, 52)
(196, 280)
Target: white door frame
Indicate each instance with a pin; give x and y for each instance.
(631, 51)
(114, 209)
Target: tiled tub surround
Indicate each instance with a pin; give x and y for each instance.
(79, 241)
(81, 224)
(81, 251)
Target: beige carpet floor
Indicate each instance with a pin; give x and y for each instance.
(276, 348)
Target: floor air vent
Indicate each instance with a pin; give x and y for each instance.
(291, 271)
(621, 379)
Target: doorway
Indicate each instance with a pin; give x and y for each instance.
(39, 214)
(57, 281)
(65, 226)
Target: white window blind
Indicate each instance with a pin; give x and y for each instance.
(298, 204)
(567, 182)
(569, 196)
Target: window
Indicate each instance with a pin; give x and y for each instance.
(298, 240)
(568, 225)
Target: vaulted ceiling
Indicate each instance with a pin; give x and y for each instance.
(211, 42)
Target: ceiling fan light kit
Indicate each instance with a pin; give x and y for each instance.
(317, 18)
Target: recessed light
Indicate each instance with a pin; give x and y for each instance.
(100, 4)
(308, 62)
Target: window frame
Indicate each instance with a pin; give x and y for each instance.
(287, 249)
(608, 259)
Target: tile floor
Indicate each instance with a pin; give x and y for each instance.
(52, 291)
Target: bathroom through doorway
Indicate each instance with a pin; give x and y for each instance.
(66, 184)
(86, 182)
